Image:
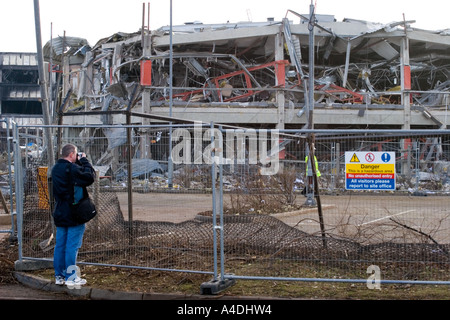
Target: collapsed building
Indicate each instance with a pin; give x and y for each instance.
(366, 75)
(251, 74)
(255, 75)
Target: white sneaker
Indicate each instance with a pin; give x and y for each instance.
(59, 280)
(75, 283)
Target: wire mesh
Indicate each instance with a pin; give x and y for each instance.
(343, 232)
(269, 227)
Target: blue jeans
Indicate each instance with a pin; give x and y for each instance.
(68, 241)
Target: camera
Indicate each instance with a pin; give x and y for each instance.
(80, 155)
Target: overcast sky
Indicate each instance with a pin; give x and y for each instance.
(97, 19)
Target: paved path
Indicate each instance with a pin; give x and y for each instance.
(22, 292)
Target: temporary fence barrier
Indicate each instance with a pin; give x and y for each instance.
(240, 203)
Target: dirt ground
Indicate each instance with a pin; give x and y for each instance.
(4, 228)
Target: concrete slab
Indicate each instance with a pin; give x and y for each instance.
(30, 265)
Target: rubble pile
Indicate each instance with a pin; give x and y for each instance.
(358, 62)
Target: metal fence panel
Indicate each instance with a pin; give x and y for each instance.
(276, 229)
(7, 209)
(145, 224)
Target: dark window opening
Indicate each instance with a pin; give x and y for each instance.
(21, 107)
(20, 76)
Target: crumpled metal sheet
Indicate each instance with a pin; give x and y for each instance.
(141, 167)
(116, 136)
(68, 45)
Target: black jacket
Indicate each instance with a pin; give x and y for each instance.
(83, 175)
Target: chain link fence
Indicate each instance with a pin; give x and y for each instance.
(241, 203)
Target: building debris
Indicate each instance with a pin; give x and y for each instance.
(245, 65)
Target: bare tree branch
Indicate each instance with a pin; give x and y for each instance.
(423, 234)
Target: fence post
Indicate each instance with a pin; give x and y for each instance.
(96, 195)
(214, 209)
(18, 176)
(219, 283)
(222, 258)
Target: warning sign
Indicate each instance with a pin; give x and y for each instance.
(370, 170)
(354, 158)
(43, 202)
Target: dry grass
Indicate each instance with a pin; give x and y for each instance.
(151, 281)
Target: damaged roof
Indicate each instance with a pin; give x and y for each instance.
(245, 65)
(73, 47)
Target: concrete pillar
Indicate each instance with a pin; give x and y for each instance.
(146, 140)
(280, 98)
(406, 83)
(406, 101)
